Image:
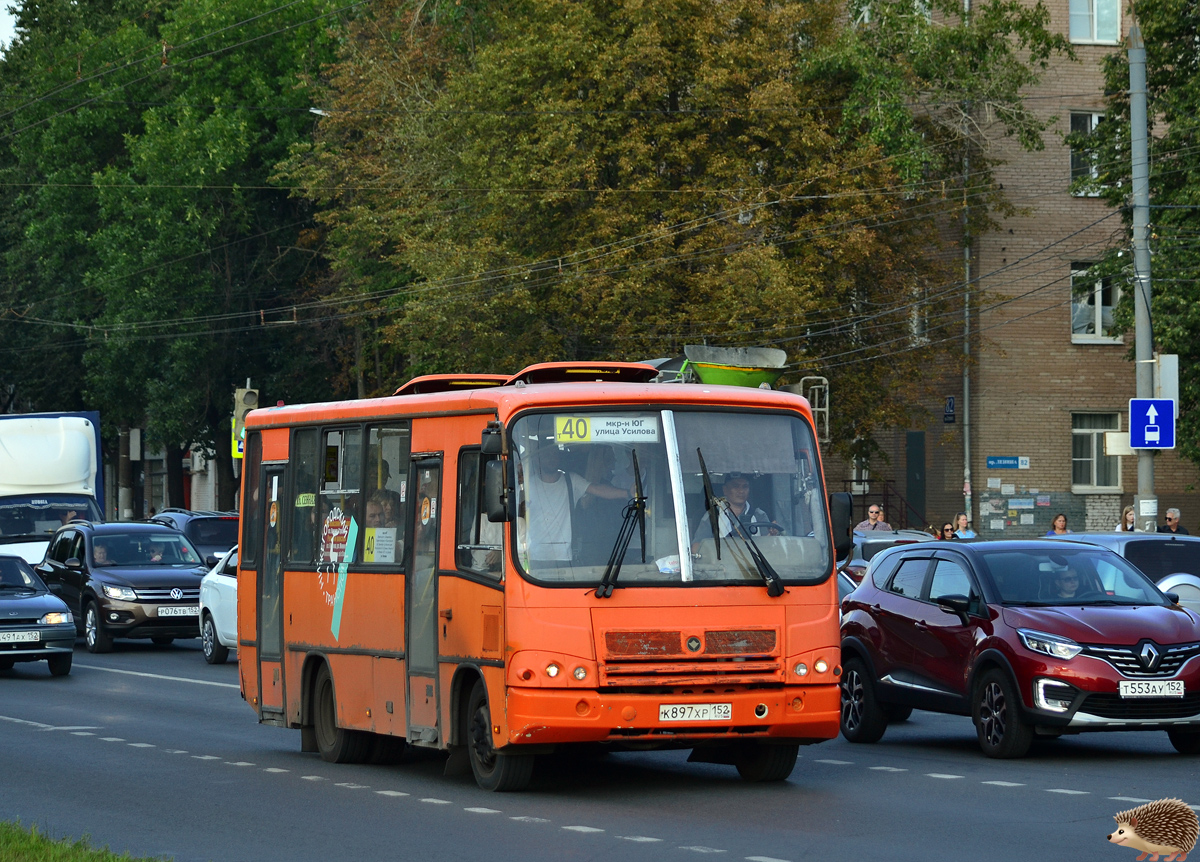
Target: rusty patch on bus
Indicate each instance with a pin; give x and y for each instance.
(740, 642)
(642, 643)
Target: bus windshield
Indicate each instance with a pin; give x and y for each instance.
(575, 482)
(41, 514)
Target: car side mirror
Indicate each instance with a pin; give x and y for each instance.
(1173, 598)
(211, 560)
(74, 563)
(55, 587)
(491, 442)
(44, 569)
(496, 491)
(841, 507)
(955, 604)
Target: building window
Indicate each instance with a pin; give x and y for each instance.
(1083, 159)
(1097, 21)
(1091, 469)
(1092, 302)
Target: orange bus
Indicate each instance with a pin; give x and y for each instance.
(500, 567)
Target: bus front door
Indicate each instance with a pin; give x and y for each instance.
(421, 597)
(270, 597)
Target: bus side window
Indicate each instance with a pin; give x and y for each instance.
(252, 514)
(339, 503)
(478, 542)
(385, 489)
(304, 492)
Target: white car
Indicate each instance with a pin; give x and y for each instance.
(218, 608)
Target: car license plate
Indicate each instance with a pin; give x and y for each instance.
(695, 711)
(19, 637)
(1151, 688)
(179, 611)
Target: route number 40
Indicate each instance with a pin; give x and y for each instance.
(572, 429)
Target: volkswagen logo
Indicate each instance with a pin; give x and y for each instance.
(693, 643)
(1149, 655)
(177, 594)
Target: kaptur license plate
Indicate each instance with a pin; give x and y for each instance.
(695, 711)
(1151, 687)
(179, 611)
(19, 637)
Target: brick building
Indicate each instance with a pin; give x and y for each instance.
(1048, 378)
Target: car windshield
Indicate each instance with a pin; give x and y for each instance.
(213, 531)
(575, 483)
(1083, 576)
(16, 574)
(36, 515)
(1159, 559)
(143, 549)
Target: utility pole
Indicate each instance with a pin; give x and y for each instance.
(1145, 503)
(966, 371)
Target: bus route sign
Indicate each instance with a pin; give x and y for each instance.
(605, 429)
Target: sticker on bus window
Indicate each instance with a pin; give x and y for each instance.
(379, 545)
(335, 533)
(605, 429)
(306, 501)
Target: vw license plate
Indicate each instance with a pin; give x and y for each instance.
(179, 611)
(19, 637)
(1151, 688)
(695, 711)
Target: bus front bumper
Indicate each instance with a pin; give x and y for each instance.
(539, 716)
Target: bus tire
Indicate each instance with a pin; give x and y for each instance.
(758, 762)
(498, 771)
(335, 744)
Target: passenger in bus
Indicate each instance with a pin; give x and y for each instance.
(753, 522)
(379, 513)
(552, 495)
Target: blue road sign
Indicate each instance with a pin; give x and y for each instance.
(1151, 423)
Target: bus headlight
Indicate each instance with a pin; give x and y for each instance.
(552, 670)
(801, 669)
(820, 666)
(581, 673)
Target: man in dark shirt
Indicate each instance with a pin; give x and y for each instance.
(1172, 525)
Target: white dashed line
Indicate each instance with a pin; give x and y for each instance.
(837, 762)
(69, 727)
(432, 801)
(582, 829)
(484, 810)
(205, 757)
(237, 763)
(641, 839)
(530, 819)
(175, 751)
(1067, 792)
(766, 858)
(941, 775)
(313, 777)
(877, 769)
(112, 739)
(700, 849)
(351, 786)
(275, 769)
(391, 793)
(1129, 799)
(1002, 783)
(158, 676)
(145, 745)
(82, 733)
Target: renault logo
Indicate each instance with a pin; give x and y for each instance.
(177, 594)
(1149, 655)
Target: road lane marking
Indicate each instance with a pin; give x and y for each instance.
(1067, 792)
(642, 839)
(237, 763)
(145, 745)
(175, 750)
(764, 859)
(158, 676)
(484, 810)
(28, 723)
(837, 762)
(82, 733)
(702, 849)
(349, 785)
(205, 757)
(1129, 799)
(434, 801)
(877, 769)
(941, 775)
(313, 777)
(112, 739)
(582, 829)
(72, 727)
(530, 819)
(1002, 783)
(275, 769)
(391, 793)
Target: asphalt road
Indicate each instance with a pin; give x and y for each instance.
(153, 752)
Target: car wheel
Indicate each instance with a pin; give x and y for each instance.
(1185, 741)
(759, 762)
(896, 713)
(214, 653)
(862, 718)
(94, 636)
(996, 710)
(335, 744)
(162, 641)
(60, 665)
(494, 770)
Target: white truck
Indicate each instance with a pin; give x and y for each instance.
(50, 473)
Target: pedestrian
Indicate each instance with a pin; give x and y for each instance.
(874, 520)
(1128, 521)
(963, 527)
(1058, 527)
(948, 532)
(1172, 525)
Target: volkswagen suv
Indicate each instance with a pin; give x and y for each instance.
(1032, 638)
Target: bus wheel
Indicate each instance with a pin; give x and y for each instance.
(335, 744)
(760, 762)
(494, 770)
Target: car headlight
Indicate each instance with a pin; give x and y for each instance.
(56, 618)
(125, 594)
(1051, 645)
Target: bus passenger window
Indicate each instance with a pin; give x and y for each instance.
(304, 490)
(252, 514)
(479, 544)
(340, 502)
(385, 486)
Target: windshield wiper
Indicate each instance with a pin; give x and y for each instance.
(636, 510)
(765, 570)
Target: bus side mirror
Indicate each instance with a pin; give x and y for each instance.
(492, 440)
(496, 491)
(841, 507)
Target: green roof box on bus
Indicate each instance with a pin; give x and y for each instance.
(735, 366)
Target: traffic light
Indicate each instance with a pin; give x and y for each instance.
(244, 400)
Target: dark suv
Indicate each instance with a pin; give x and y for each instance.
(126, 580)
(212, 533)
(1028, 638)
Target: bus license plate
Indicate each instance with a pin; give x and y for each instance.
(19, 637)
(695, 712)
(177, 611)
(1151, 688)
